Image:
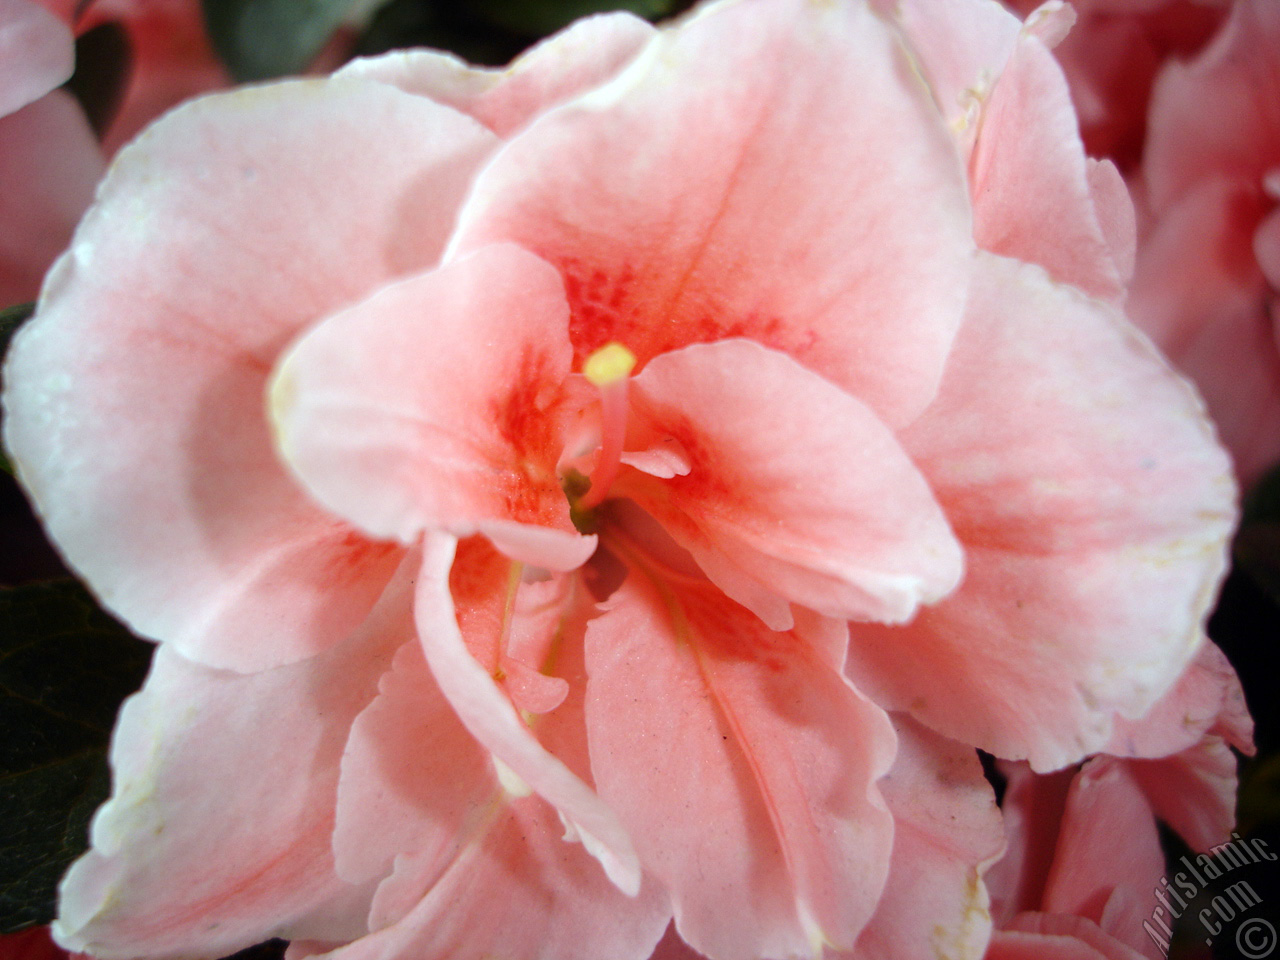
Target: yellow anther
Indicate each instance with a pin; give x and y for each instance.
(609, 364)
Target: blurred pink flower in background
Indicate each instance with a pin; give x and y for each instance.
(50, 158)
(1085, 861)
(1209, 265)
(1181, 95)
(1112, 56)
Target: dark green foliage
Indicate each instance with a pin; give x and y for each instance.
(261, 39)
(452, 27)
(541, 17)
(65, 667)
(10, 319)
(489, 32)
(1257, 545)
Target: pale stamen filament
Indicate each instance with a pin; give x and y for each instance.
(609, 371)
(508, 615)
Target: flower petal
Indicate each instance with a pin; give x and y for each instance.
(411, 778)
(149, 355)
(37, 53)
(517, 890)
(1032, 808)
(1107, 844)
(1117, 218)
(748, 211)
(584, 55)
(962, 47)
(744, 767)
(1035, 195)
(946, 829)
(1199, 293)
(1032, 195)
(1066, 829)
(436, 404)
(1082, 479)
(487, 711)
(180, 866)
(1216, 114)
(1194, 791)
(1207, 695)
(793, 483)
(556, 896)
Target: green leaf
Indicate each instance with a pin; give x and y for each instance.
(1259, 798)
(1262, 503)
(1257, 544)
(261, 39)
(11, 318)
(65, 667)
(490, 32)
(537, 18)
(422, 23)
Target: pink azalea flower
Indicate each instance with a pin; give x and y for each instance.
(1179, 116)
(1084, 867)
(1207, 278)
(38, 53)
(544, 481)
(1112, 56)
(50, 159)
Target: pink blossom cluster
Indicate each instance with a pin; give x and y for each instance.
(600, 508)
(1183, 93)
